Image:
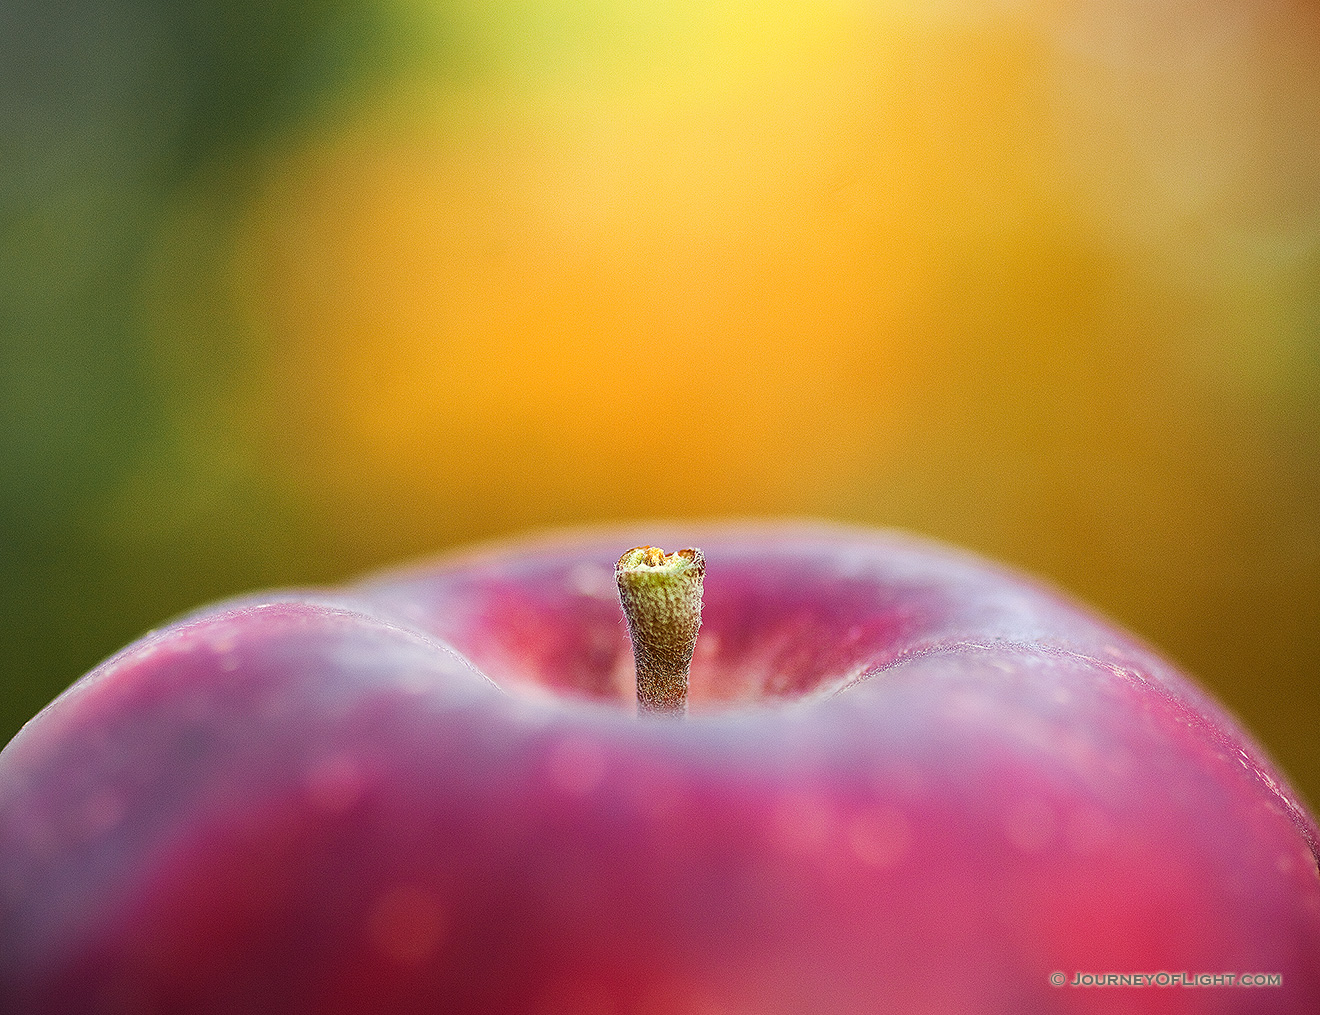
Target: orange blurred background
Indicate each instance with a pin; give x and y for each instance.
(1040, 278)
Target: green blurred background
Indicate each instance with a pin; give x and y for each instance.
(291, 291)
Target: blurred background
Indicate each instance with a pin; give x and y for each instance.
(289, 291)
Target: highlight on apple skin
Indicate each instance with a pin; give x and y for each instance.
(907, 781)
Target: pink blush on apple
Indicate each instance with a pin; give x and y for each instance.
(906, 780)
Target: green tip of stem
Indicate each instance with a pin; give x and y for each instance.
(661, 598)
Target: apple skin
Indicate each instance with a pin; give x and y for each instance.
(910, 781)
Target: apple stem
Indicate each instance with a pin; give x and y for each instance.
(661, 597)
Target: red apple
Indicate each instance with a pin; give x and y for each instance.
(909, 781)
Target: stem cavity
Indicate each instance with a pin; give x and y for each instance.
(661, 597)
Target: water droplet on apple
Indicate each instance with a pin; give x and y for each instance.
(879, 838)
(1088, 831)
(577, 997)
(802, 823)
(655, 793)
(678, 997)
(417, 682)
(101, 813)
(406, 924)
(223, 640)
(335, 784)
(708, 645)
(576, 766)
(1030, 825)
(593, 580)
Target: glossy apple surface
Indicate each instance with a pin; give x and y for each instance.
(909, 781)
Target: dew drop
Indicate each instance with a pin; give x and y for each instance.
(802, 823)
(1030, 825)
(576, 766)
(335, 784)
(879, 838)
(102, 813)
(1088, 830)
(593, 581)
(406, 924)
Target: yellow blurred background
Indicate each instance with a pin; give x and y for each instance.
(295, 291)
